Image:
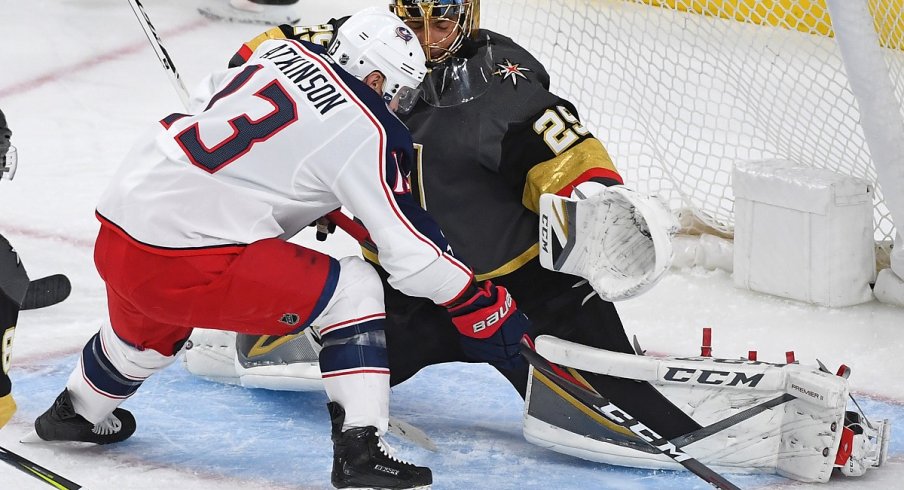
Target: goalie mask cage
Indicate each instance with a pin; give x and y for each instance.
(680, 90)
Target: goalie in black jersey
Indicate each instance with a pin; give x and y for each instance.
(531, 199)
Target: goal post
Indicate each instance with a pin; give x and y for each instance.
(861, 46)
(681, 90)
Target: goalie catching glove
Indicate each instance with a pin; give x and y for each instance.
(618, 239)
(490, 324)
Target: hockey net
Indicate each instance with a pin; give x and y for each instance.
(679, 90)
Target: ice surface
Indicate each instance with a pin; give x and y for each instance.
(78, 83)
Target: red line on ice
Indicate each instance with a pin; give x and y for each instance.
(46, 235)
(100, 59)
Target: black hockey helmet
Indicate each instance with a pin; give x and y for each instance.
(417, 14)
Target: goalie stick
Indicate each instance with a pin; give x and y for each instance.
(36, 470)
(607, 409)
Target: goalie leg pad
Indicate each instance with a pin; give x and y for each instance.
(288, 362)
(756, 417)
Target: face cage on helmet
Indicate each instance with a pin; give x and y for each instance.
(462, 12)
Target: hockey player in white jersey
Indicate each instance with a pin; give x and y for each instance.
(194, 227)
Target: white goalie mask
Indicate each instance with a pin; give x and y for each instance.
(376, 40)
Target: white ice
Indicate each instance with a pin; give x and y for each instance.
(78, 82)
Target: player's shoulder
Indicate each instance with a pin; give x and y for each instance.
(503, 48)
(518, 85)
(370, 105)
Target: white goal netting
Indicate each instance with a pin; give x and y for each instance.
(679, 90)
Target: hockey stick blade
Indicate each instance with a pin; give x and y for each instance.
(36, 470)
(404, 430)
(607, 409)
(46, 291)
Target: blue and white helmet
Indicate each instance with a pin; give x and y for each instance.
(376, 40)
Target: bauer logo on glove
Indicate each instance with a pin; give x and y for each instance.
(495, 316)
(490, 324)
(484, 312)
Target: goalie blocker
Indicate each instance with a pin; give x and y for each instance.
(756, 417)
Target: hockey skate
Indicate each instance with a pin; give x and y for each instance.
(248, 12)
(61, 423)
(360, 459)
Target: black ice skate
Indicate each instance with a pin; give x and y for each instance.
(361, 461)
(61, 423)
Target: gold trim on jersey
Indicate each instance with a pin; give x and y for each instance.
(511, 265)
(419, 164)
(506, 268)
(274, 33)
(553, 175)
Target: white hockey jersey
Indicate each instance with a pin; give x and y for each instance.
(272, 146)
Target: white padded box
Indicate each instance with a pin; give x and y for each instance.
(803, 233)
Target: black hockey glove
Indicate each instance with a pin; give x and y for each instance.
(325, 228)
(490, 324)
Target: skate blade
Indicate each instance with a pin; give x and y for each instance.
(31, 438)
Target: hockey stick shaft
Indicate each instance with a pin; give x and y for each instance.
(735, 419)
(611, 412)
(353, 228)
(36, 470)
(160, 51)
